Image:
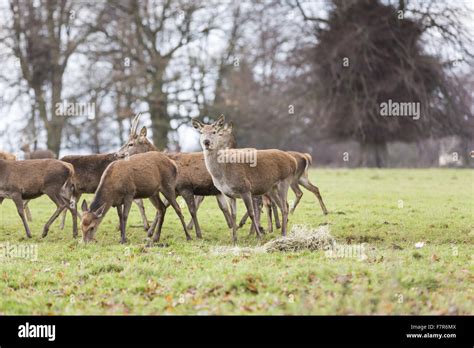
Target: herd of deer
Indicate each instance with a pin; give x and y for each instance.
(138, 170)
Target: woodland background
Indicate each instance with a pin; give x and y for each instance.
(301, 75)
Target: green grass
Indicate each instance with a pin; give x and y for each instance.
(389, 210)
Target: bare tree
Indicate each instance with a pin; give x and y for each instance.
(43, 36)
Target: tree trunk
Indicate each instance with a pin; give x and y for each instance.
(54, 127)
(160, 120)
(374, 155)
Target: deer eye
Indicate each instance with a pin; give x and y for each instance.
(214, 132)
(130, 145)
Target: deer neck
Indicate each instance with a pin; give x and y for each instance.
(215, 168)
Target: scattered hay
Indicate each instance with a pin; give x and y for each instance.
(302, 237)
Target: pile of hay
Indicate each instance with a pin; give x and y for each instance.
(302, 237)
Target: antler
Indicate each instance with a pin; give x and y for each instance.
(136, 119)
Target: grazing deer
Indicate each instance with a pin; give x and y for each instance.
(88, 171)
(36, 154)
(193, 178)
(140, 176)
(271, 173)
(25, 180)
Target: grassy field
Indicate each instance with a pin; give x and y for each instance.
(385, 211)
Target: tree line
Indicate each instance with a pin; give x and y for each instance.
(291, 74)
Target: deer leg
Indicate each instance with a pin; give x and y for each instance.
(197, 202)
(120, 216)
(247, 198)
(232, 203)
(61, 204)
(127, 204)
(275, 214)
(159, 218)
(27, 211)
(170, 195)
(21, 211)
(222, 203)
(243, 221)
(257, 203)
(53, 217)
(190, 202)
(72, 207)
(283, 196)
(63, 220)
(141, 209)
(258, 209)
(274, 194)
(298, 194)
(267, 203)
(314, 189)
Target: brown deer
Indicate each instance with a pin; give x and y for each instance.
(193, 178)
(7, 156)
(12, 157)
(140, 176)
(301, 178)
(271, 173)
(88, 171)
(36, 154)
(25, 180)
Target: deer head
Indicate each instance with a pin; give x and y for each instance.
(137, 143)
(90, 221)
(217, 135)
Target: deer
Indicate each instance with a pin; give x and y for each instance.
(25, 180)
(36, 154)
(271, 173)
(11, 157)
(303, 160)
(193, 178)
(88, 171)
(140, 176)
(7, 156)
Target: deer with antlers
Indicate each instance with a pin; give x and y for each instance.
(193, 178)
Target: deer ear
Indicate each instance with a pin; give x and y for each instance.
(197, 124)
(84, 206)
(143, 132)
(220, 121)
(99, 212)
(229, 126)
